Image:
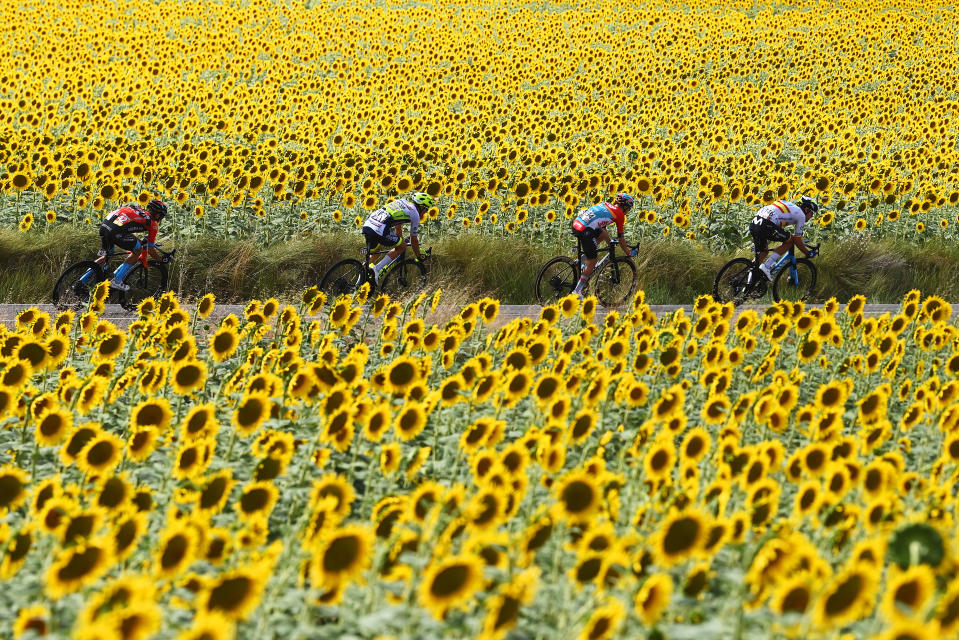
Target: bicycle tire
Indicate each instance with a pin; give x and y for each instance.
(343, 278)
(404, 278)
(143, 283)
(556, 279)
(615, 281)
(731, 284)
(785, 289)
(69, 292)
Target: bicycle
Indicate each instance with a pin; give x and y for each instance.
(740, 279)
(614, 277)
(148, 278)
(400, 278)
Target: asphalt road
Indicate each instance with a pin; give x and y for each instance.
(121, 317)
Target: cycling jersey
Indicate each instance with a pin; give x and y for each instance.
(132, 218)
(396, 212)
(782, 213)
(599, 216)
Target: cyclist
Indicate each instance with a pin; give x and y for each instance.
(590, 227)
(118, 229)
(768, 225)
(384, 227)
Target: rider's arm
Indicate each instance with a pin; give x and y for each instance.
(798, 242)
(623, 245)
(415, 244)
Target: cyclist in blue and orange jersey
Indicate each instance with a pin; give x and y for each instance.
(590, 227)
(768, 225)
(384, 228)
(118, 229)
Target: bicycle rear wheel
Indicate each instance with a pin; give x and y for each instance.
(732, 282)
(143, 283)
(795, 284)
(615, 282)
(556, 279)
(342, 278)
(404, 278)
(70, 291)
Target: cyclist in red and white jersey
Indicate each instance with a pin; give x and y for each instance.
(118, 229)
(590, 227)
(768, 225)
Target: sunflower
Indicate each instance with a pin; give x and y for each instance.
(178, 546)
(257, 500)
(341, 555)
(251, 412)
(578, 496)
(849, 596)
(604, 621)
(659, 460)
(223, 343)
(100, 454)
(188, 377)
(503, 609)
(154, 413)
(681, 535)
(235, 594)
(78, 566)
(401, 374)
(34, 619)
(410, 421)
(653, 598)
(908, 594)
(793, 594)
(335, 486)
(53, 426)
(450, 582)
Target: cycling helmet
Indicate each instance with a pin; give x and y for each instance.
(156, 209)
(423, 200)
(809, 205)
(625, 201)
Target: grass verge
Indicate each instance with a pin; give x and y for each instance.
(468, 266)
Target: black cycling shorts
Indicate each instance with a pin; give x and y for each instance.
(111, 235)
(374, 239)
(587, 240)
(763, 231)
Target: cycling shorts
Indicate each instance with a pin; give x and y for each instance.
(111, 235)
(587, 240)
(763, 231)
(374, 239)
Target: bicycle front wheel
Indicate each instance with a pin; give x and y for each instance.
(144, 283)
(615, 282)
(404, 278)
(732, 282)
(556, 279)
(795, 283)
(342, 278)
(73, 287)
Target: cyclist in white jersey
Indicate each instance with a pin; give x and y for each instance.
(768, 225)
(384, 228)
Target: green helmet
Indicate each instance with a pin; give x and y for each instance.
(424, 200)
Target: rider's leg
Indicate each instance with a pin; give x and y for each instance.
(125, 267)
(590, 250)
(778, 253)
(394, 239)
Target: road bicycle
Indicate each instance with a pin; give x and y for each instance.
(148, 278)
(613, 279)
(740, 279)
(400, 278)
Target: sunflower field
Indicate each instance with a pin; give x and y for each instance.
(371, 469)
(272, 119)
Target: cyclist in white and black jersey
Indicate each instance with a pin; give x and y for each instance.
(768, 225)
(384, 228)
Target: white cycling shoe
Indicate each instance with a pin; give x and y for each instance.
(119, 286)
(766, 272)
